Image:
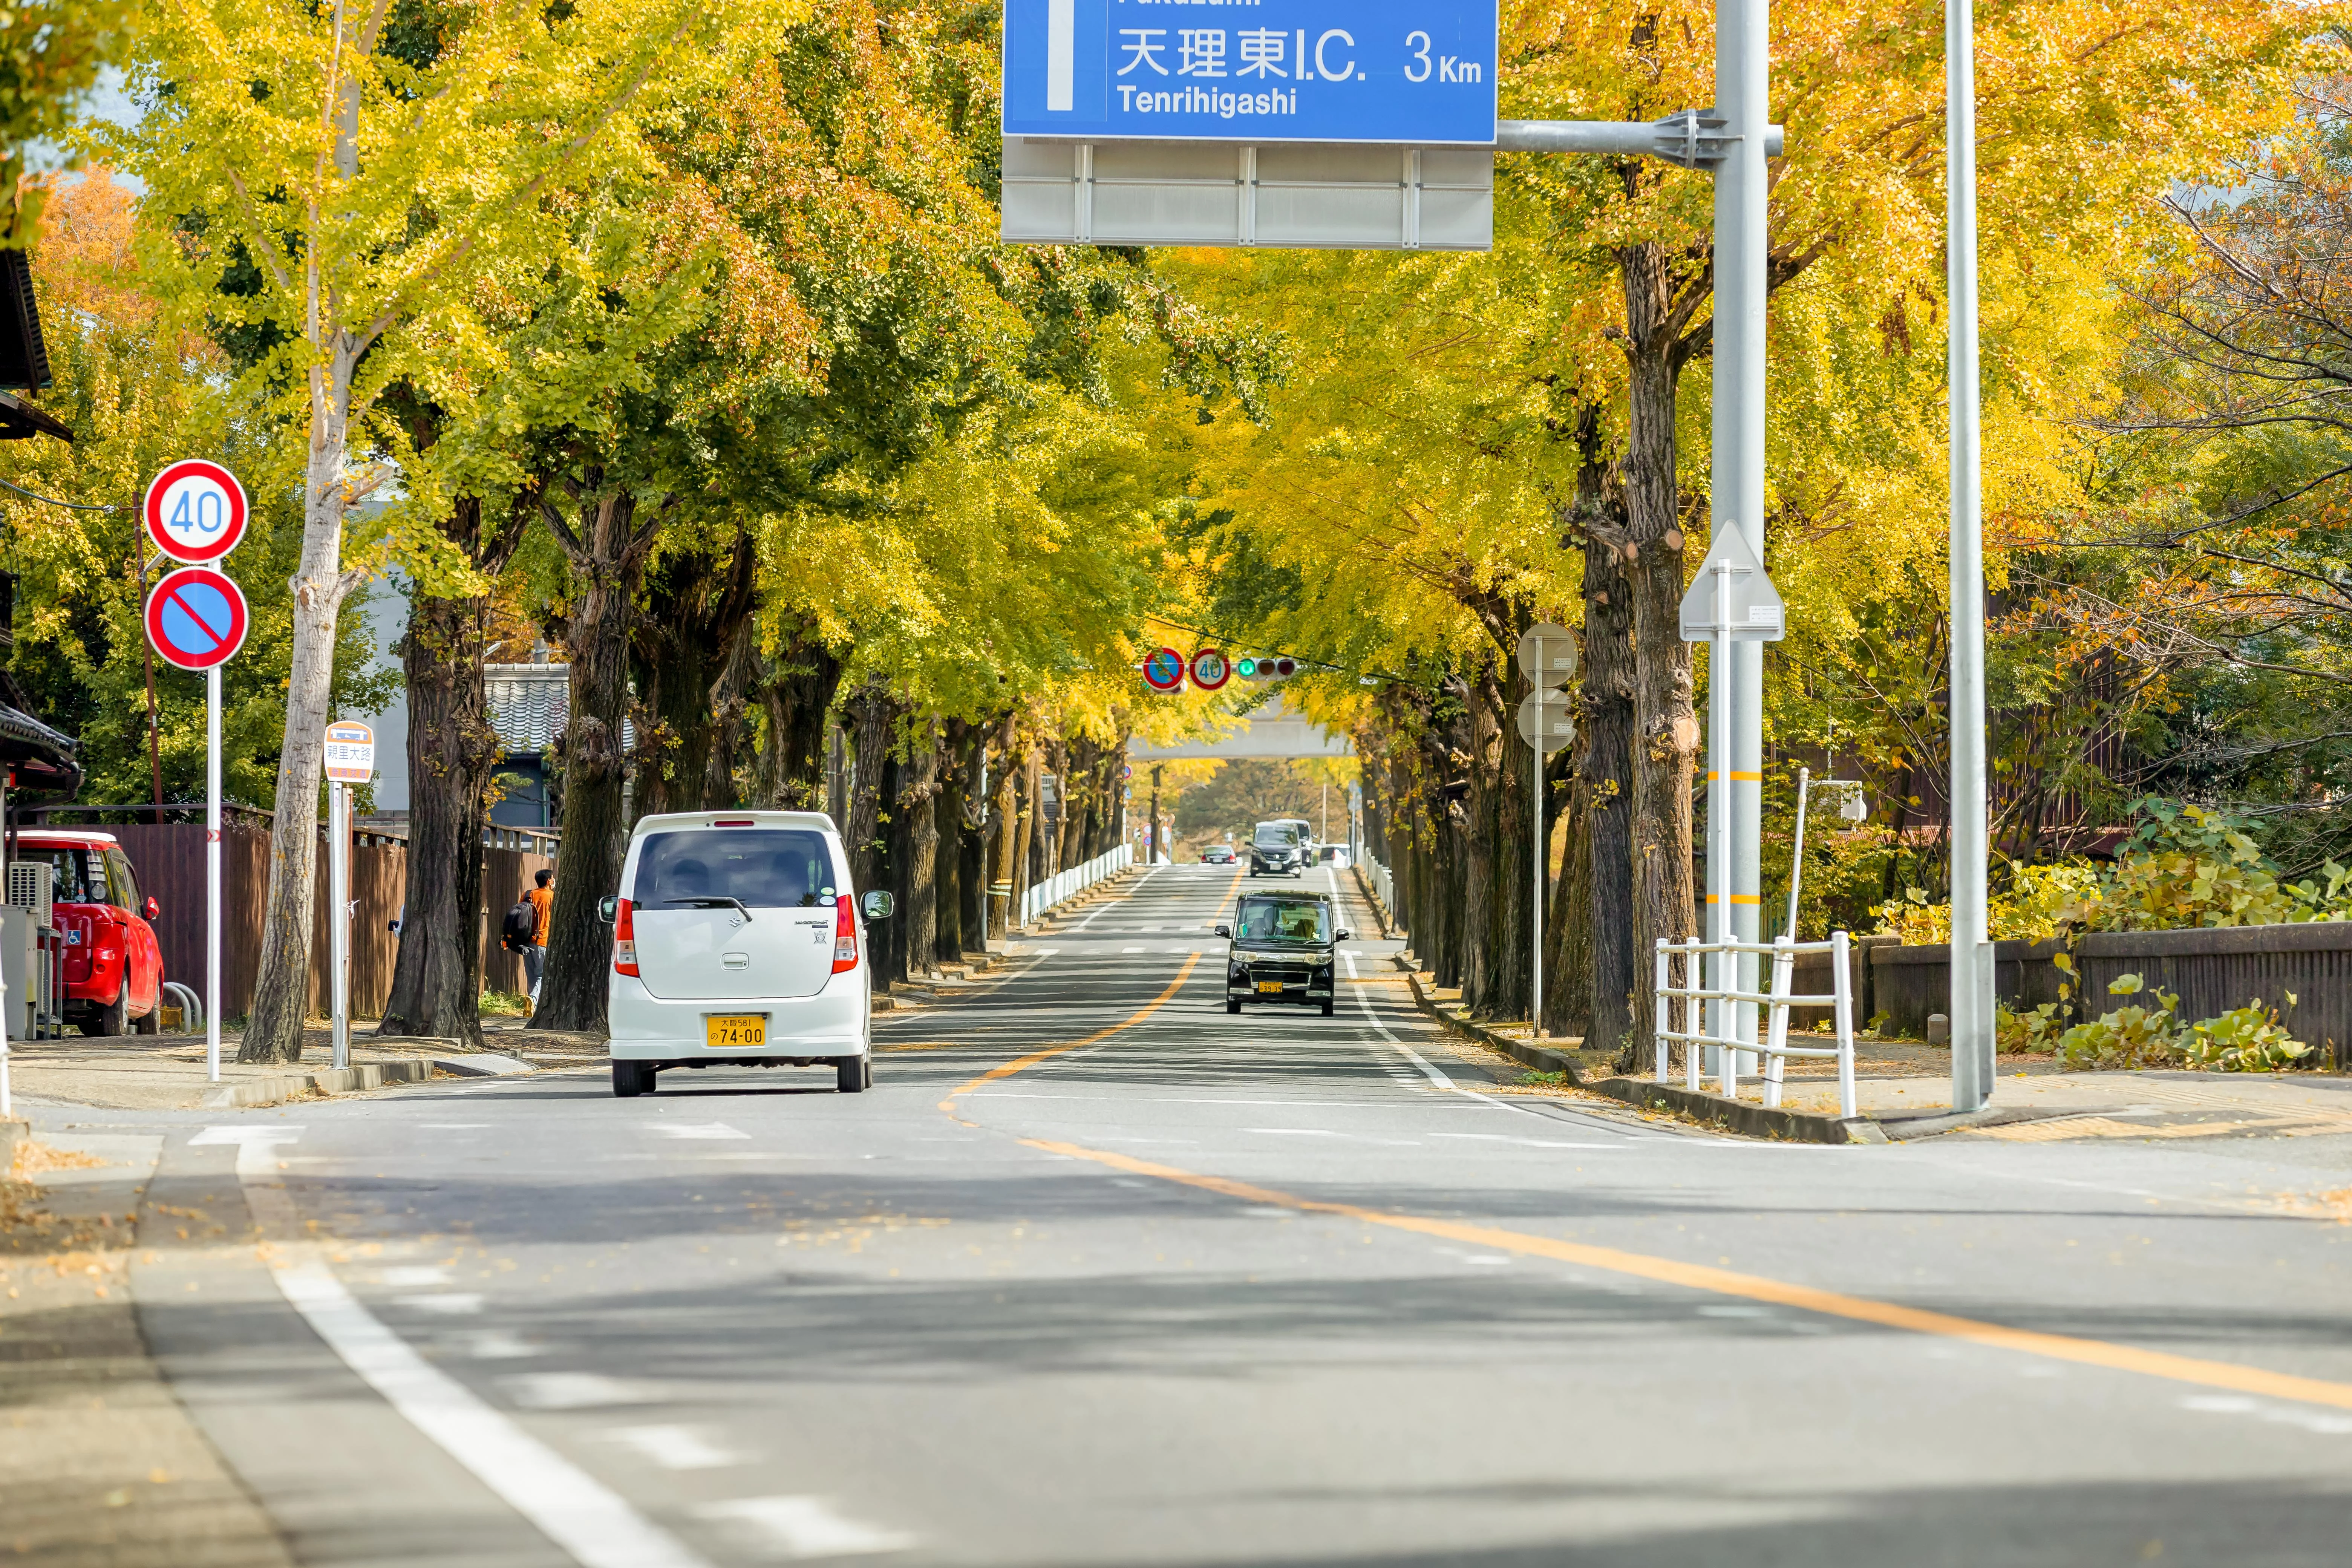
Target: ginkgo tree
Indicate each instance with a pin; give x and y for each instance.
(331, 186)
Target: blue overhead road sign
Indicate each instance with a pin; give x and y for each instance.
(1398, 71)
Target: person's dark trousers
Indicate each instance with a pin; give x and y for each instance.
(534, 959)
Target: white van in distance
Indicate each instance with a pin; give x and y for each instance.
(735, 940)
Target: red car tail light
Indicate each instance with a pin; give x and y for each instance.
(624, 941)
(844, 935)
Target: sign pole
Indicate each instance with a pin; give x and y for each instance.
(1742, 33)
(1535, 908)
(338, 895)
(211, 872)
(1971, 1006)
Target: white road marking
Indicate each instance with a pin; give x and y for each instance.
(454, 1126)
(572, 1391)
(1140, 950)
(577, 1512)
(1365, 998)
(807, 1527)
(694, 1130)
(676, 1448)
(588, 1521)
(410, 1278)
(1525, 1142)
(453, 1302)
(496, 1344)
(1298, 1131)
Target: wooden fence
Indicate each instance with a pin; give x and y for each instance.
(169, 860)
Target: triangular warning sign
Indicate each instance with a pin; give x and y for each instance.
(1731, 577)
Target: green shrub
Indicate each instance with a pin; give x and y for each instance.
(2244, 1039)
(2130, 1037)
(2027, 1033)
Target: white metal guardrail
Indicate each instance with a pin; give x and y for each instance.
(1724, 1000)
(1068, 884)
(1384, 885)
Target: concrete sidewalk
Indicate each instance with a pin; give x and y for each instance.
(167, 1072)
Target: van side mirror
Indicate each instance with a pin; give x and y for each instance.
(877, 905)
(1225, 930)
(608, 910)
(1343, 935)
(150, 909)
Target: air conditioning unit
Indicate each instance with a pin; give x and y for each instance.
(32, 886)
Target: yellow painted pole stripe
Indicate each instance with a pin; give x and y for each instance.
(1006, 1069)
(1736, 897)
(1737, 775)
(1755, 1288)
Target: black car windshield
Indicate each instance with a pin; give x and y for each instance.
(1283, 919)
(761, 867)
(1277, 835)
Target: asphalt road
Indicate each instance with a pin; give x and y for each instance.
(1098, 1275)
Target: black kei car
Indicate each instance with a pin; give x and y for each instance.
(1285, 947)
(1279, 848)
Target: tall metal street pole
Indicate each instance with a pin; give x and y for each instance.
(1971, 967)
(1743, 39)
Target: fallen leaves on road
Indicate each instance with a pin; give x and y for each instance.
(32, 1159)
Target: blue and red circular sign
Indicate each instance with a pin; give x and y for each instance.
(196, 618)
(195, 510)
(1209, 669)
(1163, 669)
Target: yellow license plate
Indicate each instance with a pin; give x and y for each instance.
(1272, 985)
(735, 1032)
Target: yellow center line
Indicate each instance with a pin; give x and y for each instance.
(1755, 1288)
(1006, 1069)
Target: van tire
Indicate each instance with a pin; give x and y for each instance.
(629, 1080)
(1328, 1001)
(852, 1074)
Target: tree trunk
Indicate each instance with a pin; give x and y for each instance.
(281, 990)
(972, 847)
(1005, 852)
(1024, 852)
(1666, 735)
(955, 797)
(732, 718)
(1480, 891)
(453, 752)
(870, 710)
(1567, 940)
(695, 603)
(897, 858)
(920, 802)
(797, 698)
(1607, 722)
(607, 554)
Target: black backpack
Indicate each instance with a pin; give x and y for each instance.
(522, 924)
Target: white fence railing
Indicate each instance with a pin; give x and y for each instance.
(1728, 1006)
(1383, 886)
(1068, 884)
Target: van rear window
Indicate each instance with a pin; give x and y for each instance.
(761, 867)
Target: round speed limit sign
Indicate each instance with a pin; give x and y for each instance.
(196, 511)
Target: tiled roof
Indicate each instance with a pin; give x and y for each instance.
(530, 703)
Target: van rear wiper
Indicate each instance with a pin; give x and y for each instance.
(720, 902)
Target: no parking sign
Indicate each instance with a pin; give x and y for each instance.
(196, 618)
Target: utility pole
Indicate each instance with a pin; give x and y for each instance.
(1154, 856)
(1971, 1006)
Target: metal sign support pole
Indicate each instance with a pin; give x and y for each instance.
(1536, 909)
(338, 910)
(1718, 821)
(211, 872)
(1971, 1004)
(1742, 39)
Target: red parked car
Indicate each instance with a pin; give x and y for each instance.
(114, 970)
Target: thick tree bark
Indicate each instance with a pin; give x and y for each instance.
(798, 698)
(919, 801)
(281, 990)
(1568, 936)
(889, 936)
(1033, 773)
(607, 554)
(1667, 734)
(870, 713)
(1607, 722)
(955, 796)
(695, 602)
(1003, 854)
(1479, 825)
(732, 718)
(453, 755)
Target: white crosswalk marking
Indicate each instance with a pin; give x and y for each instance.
(694, 1130)
(676, 1448)
(572, 1391)
(1140, 950)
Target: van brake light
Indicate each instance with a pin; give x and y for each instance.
(624, 941)
(844, 935)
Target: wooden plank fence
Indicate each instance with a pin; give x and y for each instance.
(169, 860)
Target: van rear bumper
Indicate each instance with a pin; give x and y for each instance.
(832, 1023)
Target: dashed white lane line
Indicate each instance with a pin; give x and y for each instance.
(572, 1391)
(676, 1448)
(694, 1130)
(794, 1527)
(1364, 997)
(455, 1303)
(588, 1519)
(1125, 950)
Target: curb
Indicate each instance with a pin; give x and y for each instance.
(12, 1133)
(1739, 1116)
(260, 1091)
(1732, 1115)
(1373, 902)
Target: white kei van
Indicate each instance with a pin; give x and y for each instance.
(735, 940)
